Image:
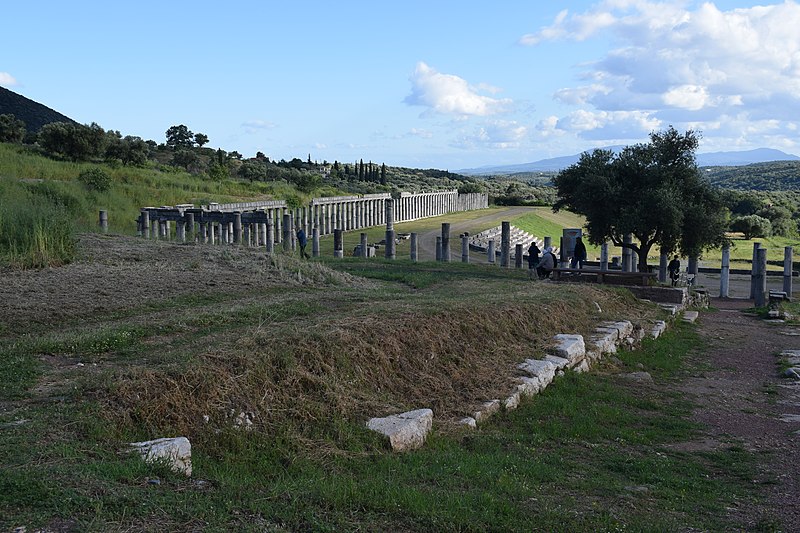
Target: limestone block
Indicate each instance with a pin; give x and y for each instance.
(176, 452)
(658, 328)
(530, 386)
(468, 422)
(570, 347)
(690, 316)
(545, 371)
(624, 327)
(605, 341)
(602, 330)
(487, 410)
(512, 402)
(406, 431)
(559, 362)
(671, 309)
(593, 355)
(582, 367)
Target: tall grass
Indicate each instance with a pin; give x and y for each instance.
(34, 231)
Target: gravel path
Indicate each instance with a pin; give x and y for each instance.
(743, 399)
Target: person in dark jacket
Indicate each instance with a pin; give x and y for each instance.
(302, 241)
(579, 255)
(533, 256)
(674, 268)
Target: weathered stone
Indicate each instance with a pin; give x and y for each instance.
(468, 422)
(604, 341)
(406, 431)
(592, 356)
(545, 371)
(793, 373)
(658, 328)
(640, 377)
(559, 362)
(487, 410)
(792, 356)
(670, 309)
(175, 452)
(512, 402)
(624, 327)
(530, 386)
(690, 316)
(582, 367)
(570, 347)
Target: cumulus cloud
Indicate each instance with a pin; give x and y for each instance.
(679, 60)
(448, 94)
(7, 80)
(609, 125)
(495, 134)
(254, 126)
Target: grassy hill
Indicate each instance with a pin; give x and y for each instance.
(772, 176)
(34, 114)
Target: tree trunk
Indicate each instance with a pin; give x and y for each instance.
(643, 252)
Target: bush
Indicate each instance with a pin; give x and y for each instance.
(95, 179)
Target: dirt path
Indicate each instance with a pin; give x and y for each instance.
(427, 240)
(744, 400)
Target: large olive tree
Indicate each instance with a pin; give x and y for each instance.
(653, 191)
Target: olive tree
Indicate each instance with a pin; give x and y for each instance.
(653, 191)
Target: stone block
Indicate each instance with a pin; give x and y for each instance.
(530, 386)
(487, 410)
(605, 341)
(658, 328)
(175, 452)
(792, 356)
(582, 367)
(624, 327)
(468, 422)
(690, 316)
(545, 371)
(670, 309)
(559, 362)
(512, 402)
(570, 347)
(406, 431)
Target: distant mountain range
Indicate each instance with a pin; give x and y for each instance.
(711, 159)
(33, 114)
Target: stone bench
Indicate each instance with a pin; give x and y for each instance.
(606, 276)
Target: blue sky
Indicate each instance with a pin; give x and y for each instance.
(435, 84)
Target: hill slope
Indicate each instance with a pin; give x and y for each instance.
(772, 176)
(34, 114)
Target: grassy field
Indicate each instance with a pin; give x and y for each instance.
(312, 349)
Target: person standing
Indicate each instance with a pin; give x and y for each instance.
(301, 243)
(533, 257)
(674, 268)
(579, 255)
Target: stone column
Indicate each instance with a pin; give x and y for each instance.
(753, 270)
(787, 270)
(211, 228)
(414, 247)
(562, 253)
(364, 245)
(190, 226)
(465, 248)
(662, 267)
(761, 278)
(146, 223)
(390, 248)
(103, 221)
(287, 236)
(338, 246)
(315, 242)
(180, 230)
(518, 256)
(446, 242)
(438, 248)
(327, 217)
(725, 272)
(604, 256)
(203, 233)
(627, 256)
(270, 236)
(692, 267)
(505, 245)
(548, 242)
(491, 256)
(237, 228)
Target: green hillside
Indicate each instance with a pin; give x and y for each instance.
(33, 114)
(771, 176)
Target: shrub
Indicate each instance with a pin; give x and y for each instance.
(95, 179)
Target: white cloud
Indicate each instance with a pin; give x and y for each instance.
(7, 80)
(682, 62)
(450, 95)
(254, 126)
(609, 125)
(496, 134)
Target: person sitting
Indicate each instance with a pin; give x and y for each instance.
(674, 269)
(546, 264)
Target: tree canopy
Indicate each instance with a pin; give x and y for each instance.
(653, 191)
